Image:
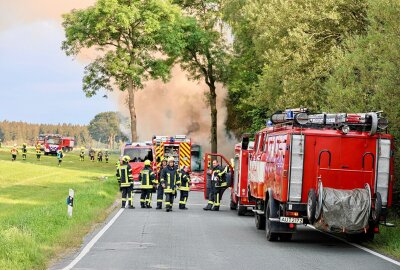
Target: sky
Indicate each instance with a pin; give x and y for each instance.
(38, 82)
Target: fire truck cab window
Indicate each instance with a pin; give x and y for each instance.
(139, 154)
(261, 144)
(172, 151)
(256, 143)
(53, 140)
(265, 143)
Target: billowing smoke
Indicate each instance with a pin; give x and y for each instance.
(179, 107)
(18, 12)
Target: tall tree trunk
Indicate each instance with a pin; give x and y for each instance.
(132, 111)
(213, 107)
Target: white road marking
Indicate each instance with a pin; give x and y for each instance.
(360, 247)
(89, 245)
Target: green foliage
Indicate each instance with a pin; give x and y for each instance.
(366, 73)
(129, 35)
(105, 127)
(292, 43)
(34, 226)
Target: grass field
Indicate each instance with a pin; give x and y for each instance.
(34, 226)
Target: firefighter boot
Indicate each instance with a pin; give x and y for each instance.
(215, 208)
(142, 205)
(208, 207)
(123, 204)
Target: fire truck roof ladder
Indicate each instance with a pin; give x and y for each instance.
(372, 121)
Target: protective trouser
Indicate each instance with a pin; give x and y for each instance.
(183, 199)
(38, 156)
(145, 198)
(169, 200)
(92, 158)
(13, 157)
(82, 157)
(127, 195)
(160, 195)
(211, 197)
(218, 192)
(23, 156)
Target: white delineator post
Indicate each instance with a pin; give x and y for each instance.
(70, 202)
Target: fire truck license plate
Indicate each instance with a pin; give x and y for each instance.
(291, 220)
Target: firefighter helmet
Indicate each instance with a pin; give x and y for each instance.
(126, 158)
(147, 162)
(171, 159)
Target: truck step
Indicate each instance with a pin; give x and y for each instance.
(258, 212)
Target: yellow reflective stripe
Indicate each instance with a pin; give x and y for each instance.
(184, 154)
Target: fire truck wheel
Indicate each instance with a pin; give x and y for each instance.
(377, 209)
(241, 210)
(311, 206)
(260, 222)
(268, 224)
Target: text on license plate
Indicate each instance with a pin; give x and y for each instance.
(291, 220)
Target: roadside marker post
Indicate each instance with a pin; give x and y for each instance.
(70, 201)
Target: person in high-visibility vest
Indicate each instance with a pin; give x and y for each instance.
(92, 153)
(82, 154)
(146, 178)
(14, 153)
(218, 186)
(106, 155)
(38, 151)
(60, 156)
(24, 151)
(168, 181)
(160, 189)
(184, 187)
(125, 180)
(100, 156)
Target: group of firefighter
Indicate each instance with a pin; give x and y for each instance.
(38, 151)
(168, 180)
(93, 155)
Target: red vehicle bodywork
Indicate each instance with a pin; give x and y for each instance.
(53, 142)
(288, 161)
(240, 198)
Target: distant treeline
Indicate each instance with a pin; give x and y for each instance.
(21, 132)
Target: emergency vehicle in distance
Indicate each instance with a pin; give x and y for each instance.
(178, 147)
(51, 143)
(334, 171)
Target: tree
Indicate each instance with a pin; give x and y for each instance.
(292, 42)
(130, 35)
(105, 127)
(205, 51)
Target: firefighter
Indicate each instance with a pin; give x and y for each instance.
(106, 155)
(160, 189)
(24, 151)
(169, 177)
(82, 154)
(38, 152)
(60, 156)
(218, 186)
(146, 178)
(100, 156)
(184, 187)
(14, 153)
(92, 153)
(125, 180)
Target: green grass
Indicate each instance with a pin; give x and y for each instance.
(388, 240)
(34, 226)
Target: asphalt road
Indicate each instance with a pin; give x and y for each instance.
(196, 239)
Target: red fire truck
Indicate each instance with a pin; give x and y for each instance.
(178, 147)
(53, 142)
(240, 199)
(138, 152)
(334, 171)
